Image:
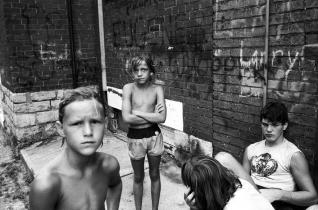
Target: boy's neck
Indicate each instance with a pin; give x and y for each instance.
(77, 161)
(275, 143)
(143, 86)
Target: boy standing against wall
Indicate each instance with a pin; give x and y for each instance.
(80, 178)
(143, 108)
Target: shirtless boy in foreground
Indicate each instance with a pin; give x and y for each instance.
(79, 178)
(143, 107)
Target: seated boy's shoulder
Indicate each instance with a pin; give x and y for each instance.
(109, 162)
(255, 144)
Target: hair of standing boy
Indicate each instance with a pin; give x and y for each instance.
(136, 61)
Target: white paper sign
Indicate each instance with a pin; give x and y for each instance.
(174, 115)
(114, 97)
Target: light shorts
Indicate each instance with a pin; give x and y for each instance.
(145, 141)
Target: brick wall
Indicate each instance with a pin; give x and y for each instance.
(211, 56)
(36, 61)
(38, 44)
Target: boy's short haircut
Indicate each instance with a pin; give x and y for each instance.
(136, 61)
(78, 94)
(275, 112)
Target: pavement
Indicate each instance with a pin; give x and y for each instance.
(39, 154)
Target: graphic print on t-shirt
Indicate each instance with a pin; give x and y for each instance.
(263, 165)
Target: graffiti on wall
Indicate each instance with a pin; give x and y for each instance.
(46, 51)
(187, 55)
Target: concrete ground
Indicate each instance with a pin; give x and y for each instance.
(37, 155)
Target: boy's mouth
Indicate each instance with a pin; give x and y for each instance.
(268, 135)
(88, 142)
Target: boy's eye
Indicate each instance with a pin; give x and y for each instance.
(77, 123)
(142, 70)
(276, 124)
(95, 121)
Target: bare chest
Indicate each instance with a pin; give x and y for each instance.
(144, 100)
(83, 194)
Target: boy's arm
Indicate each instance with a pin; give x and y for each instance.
(44, 193)
(246, 163)
(115, 186)
(127, 114)
(306, 195)
(159, 116)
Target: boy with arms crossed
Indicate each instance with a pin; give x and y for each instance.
(143, 107)
(80, 178)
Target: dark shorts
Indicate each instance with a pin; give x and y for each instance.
(145, 141)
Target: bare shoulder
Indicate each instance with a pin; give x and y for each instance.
(46, 182)
(48, 178)
(298, 159)
(128, 87)
(110, 164)
(157, 88)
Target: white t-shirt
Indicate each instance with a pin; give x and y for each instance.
(248, 198)
(270, 166)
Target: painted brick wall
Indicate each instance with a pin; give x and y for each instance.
(38, 45)
(211, 56)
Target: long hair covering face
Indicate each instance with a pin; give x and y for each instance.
(213, 185)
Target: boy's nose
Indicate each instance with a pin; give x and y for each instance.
(87, 129)
(269, 128)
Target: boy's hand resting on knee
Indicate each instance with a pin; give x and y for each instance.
(271, 194)
(190, 200)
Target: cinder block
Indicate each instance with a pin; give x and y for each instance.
(24, 120)
(47, 116)
(55, 104)
(60, 94)
(8, 102)
(43, 95)
(19, 97)
(32, 107)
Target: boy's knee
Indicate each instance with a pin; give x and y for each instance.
(139, 178)
(313, 207)
(224, 157)
(154, 175)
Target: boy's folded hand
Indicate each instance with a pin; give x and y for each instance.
(159, 108)
(190, 200)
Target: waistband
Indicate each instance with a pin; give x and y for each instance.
(135, 133)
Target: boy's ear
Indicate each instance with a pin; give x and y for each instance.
(59, 127)
(285, 126)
